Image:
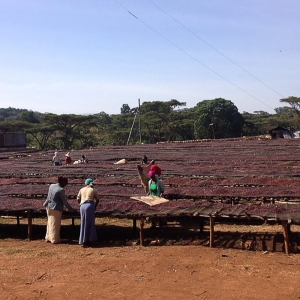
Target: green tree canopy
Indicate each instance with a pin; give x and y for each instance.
(125, 109)
(69, 126)
(294, 102)
(218, 118)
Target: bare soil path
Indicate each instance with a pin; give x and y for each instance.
(172, 266)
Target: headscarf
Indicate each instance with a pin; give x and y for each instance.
(89, 181)
(151, 174)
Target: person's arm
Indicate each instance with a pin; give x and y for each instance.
(48, 198)
(161, 189)
(64, 200)
(96, 196)
(149, 183)
(159, 171)
(46, 202)
(79, 197)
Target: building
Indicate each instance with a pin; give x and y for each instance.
(281, 132)
(12, 139)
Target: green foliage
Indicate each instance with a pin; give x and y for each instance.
(30, 116)
(218, 118)
(14, 126)
(125, 109)
(40, 135)
(11, 114)
(70, 127)
(294, 102)
(161, 121)
(152, 122)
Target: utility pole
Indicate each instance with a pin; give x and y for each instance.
(131, 127)
(138, 111)
(140, 121)
(213, 130)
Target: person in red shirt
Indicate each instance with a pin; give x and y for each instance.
(155, 168)
(68, 159)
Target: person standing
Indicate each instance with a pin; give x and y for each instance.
(83, 159)
(55, 203)
(56, 161)
(68, 159)
(88, 199)
(145, 159)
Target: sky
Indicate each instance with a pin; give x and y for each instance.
(88, 56)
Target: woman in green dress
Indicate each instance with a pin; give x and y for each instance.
(156, 187)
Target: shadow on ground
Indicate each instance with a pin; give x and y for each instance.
(114, 235)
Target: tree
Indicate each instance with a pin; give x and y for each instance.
(102, 131)
(261, 112)
(41, 134)
(120, 128)
(294, 102)
(160, 120)
(14, 126)
(10, 114)
(69, 126)
(180, 125)
(30, 116)
(125, 109)
(218, 118)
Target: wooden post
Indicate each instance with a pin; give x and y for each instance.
(18, 220)
(142, 231)
(212, 231)
(29, 231)
(289, 229)
(286, 237)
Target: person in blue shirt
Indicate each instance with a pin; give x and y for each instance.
(55, 203)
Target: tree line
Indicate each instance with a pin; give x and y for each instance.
(151, 122)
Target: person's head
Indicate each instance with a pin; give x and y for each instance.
(151, 174)
(89, 181)
(62, 181)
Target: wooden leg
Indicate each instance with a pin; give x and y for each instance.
(29, 232)
(142, 232)
(212, 231)
(286, 237)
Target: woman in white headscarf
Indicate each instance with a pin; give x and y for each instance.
(56, 160)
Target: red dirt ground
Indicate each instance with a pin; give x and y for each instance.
(173, 265)
(176, 262)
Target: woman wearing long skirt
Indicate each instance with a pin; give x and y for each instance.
(88, 199)
(55, 203)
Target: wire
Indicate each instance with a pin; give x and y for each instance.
(191, 56)
(190, 31)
